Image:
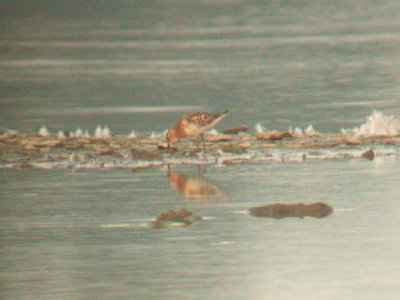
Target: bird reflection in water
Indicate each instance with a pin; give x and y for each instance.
(194, 187)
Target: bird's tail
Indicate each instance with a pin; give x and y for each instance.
(224, 113)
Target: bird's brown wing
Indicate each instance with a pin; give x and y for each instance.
(201, 118)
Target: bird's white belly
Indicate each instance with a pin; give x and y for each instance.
(192, 130)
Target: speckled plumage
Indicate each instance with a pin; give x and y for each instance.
(193, 125)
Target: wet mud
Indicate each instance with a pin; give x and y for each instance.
(25, 150)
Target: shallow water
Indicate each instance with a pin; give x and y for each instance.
(84, 233)
(280, 64)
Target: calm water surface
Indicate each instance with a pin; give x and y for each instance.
(278, 63)
(84, 234)
(139, 66)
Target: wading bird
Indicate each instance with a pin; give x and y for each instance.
(194, 125)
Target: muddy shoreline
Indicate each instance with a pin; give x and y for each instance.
(31, 150)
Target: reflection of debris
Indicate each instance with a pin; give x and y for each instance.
(183, 216)
(369, 154)
(279, 211)
(194, 187)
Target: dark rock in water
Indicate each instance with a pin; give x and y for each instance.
(183, 216)
(369, 154)
(279, 211)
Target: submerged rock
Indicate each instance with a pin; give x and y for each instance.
(279, 211)
(369, 154)
(183, 216)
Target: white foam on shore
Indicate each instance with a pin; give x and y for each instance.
(212, 132)
(258, 128)
(61, 135)
(297, 132)
(155, 135)
(43, 131)
(106, 133)
(309, 131)
(98, 133)
(132, 135)
(102, 133)
(377, 124)
(77, 133)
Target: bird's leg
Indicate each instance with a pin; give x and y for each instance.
(198, 143)
(198, 170)
(204, 142)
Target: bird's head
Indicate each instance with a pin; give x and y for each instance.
(171, 137)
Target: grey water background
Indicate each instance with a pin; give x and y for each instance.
(140, 65)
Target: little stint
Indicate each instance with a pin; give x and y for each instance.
(194, 125)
